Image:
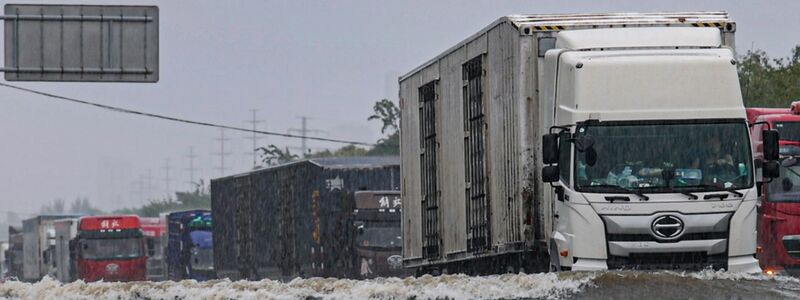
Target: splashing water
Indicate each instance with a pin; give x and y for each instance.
(581, 285)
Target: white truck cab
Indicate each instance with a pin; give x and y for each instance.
(654, 166)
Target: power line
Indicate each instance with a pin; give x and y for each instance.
(175, 119)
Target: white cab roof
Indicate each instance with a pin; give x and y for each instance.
(648, 85)
(640, 37)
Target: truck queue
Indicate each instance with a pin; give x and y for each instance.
(542, 143)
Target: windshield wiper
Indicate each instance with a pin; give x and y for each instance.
(691, 196)
(621, 189)
(732, 191)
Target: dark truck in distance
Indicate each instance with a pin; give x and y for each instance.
(297, 219)
(189, 245)
(378, 241)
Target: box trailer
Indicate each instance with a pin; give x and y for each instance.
(65, 230)
(557, 141)
(38, 246)
(294, 220)
(153, 229)
(13, 256)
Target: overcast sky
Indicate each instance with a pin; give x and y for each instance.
(328, 60)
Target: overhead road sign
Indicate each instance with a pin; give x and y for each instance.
(81, 43)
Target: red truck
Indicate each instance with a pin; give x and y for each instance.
(110, 248)
(154, 230)
(779, 205)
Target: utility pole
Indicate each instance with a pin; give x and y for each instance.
(167, 178)
(222, 152)
(255, 136)
(139, 184)
(191, 156)
(304, 132)
(149, 183)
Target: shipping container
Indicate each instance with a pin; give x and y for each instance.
(295, 219)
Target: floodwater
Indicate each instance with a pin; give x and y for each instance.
(567, 285)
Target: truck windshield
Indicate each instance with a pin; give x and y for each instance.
(665, 157)
(789, 131)
(120, 248)
(380, 237)
(786, 188)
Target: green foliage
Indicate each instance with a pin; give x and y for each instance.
(197, 199)
(767, 82)
(349, 150)
(387, 113)
(387, 146)
(272, 155)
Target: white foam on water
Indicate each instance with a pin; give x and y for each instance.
(508, 286)
(709, 274)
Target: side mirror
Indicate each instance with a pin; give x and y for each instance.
(771, 148)
(584, 142)
(787, 184)
(550, 148)
(591, 157)
(550, 174)
(771, 169)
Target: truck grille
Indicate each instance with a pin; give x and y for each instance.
(650, 238)
(668, 261)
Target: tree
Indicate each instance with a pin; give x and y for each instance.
(197, 199)
(349, 150)
(55, 207)
(84, 207)
(387, 113)
(275, 156)
(767, 82)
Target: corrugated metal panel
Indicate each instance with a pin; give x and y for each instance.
(479, 217)
(292, 220)
(475, 150)
(503, 127)
(452, 144)
(410, 184)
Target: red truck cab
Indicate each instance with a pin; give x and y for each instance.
(779, 204)
(110, 248)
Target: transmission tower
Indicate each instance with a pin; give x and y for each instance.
(304, 131)
(167, 178)
(191, 156)
(255, 137)
(222, 139)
